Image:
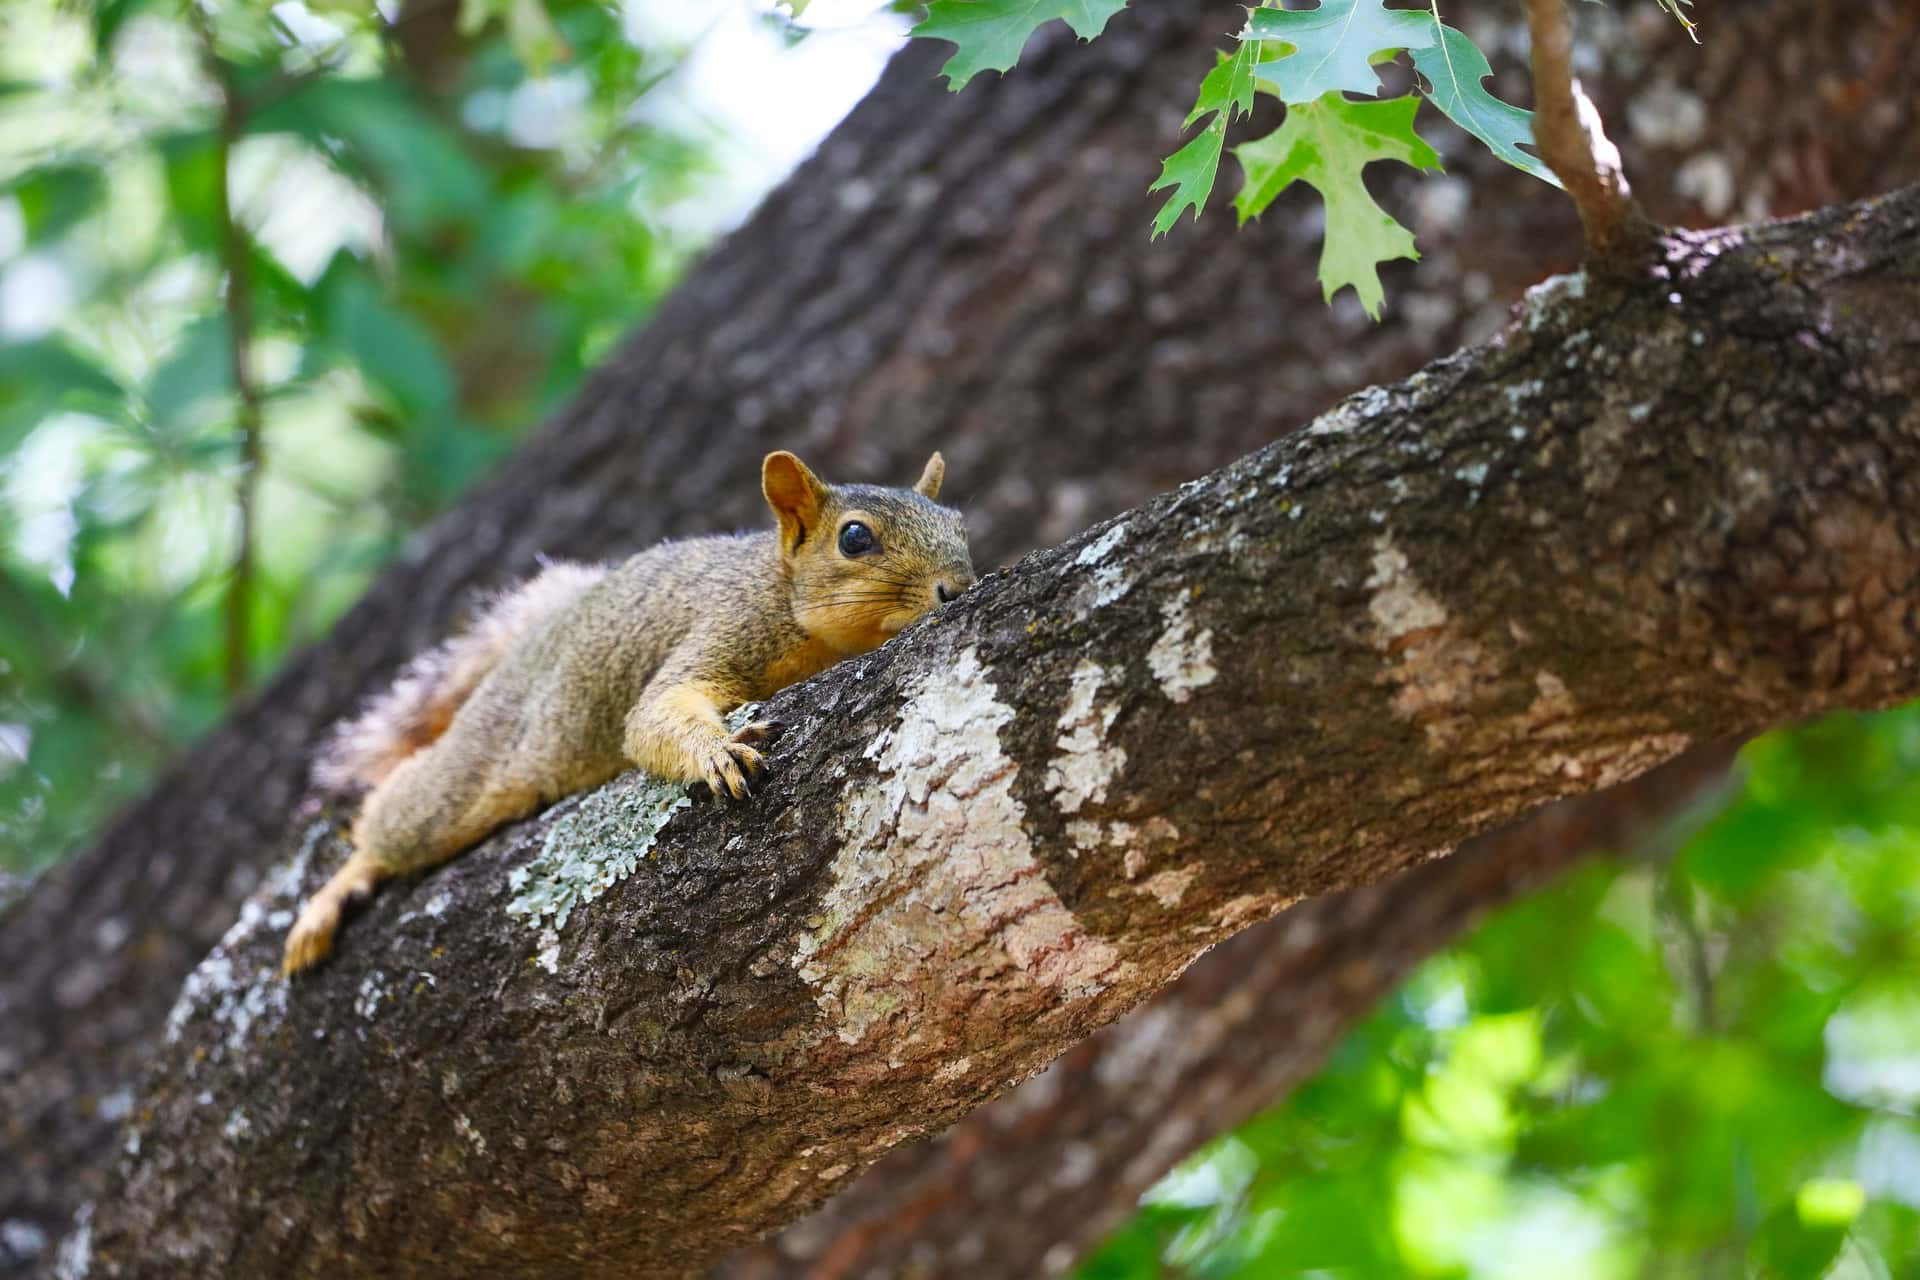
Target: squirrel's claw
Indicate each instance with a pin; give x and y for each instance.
(730, 770)
(760, 731)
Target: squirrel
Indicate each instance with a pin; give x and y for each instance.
(587, 670)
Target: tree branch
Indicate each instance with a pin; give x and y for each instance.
(1027, 1184)
(1538, 568)
(1567, 129)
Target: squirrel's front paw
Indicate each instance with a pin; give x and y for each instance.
(730, 767)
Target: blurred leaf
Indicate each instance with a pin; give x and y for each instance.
(380, 134)
(53, 197)
(1787, 1247)
(192, 164)
(536, 42)
(391, 348)
(200, 367)
(46, 374)
(108, 17)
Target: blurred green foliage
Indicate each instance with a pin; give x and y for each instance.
(445, 219)
(1704, 1068)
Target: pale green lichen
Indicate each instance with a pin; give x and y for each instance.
(593, 847)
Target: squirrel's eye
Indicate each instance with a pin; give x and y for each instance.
(856, 539)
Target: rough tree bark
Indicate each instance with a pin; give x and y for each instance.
(1645, 516)
(1025, 1185)
(878, 291)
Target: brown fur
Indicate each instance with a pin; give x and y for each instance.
(419, 706)
(586, 672)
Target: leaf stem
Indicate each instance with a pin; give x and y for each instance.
(1567, 130)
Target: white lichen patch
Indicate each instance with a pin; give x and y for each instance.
(1519, 392)
(1354, 411)
(1103, 546)
(935, 889)
(1110, 581)
(1135, 842)
(1400, 606)
(593, 846)
(23, 1239)
(1543, 299)
(467, 1130)
(954, 1070)
(1085, 765)
(1553, 702)
(1248, 908)
(1438, 672)
(237, 999)
(244, 999)
(75, 1259)
(433, 908)
(1632, 759)
(1181, 659)
(373, 989)
(1168, 887)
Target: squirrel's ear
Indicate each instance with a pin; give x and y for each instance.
(795, 495)
(928, 485)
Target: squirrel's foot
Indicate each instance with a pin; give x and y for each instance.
(311, 939)
(731, 765)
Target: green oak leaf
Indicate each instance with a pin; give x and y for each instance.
(1189, 171)
(1455, 70)
(988, 35)
(1229, 86)
(1225, 94)
(1325, 144)
(1334, 45)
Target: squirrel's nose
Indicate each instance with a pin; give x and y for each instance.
(946, 590)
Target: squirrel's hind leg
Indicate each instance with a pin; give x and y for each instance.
(311, 938)
(438, 803)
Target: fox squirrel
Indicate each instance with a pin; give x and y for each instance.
(587, 670)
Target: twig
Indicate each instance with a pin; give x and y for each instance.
(235, 260)
(1676, 906)
(1567, 129)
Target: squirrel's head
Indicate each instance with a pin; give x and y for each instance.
(866, 560)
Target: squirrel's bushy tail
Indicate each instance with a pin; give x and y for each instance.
(421, 703)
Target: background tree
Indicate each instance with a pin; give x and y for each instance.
(1012, 385)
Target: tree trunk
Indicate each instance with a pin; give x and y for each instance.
(969, 272)
(1643, 517)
